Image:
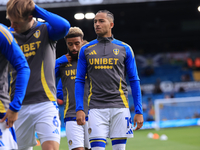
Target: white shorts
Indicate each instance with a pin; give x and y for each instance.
(7, 137)
(77, 135)
(42, 118)
(110, 123)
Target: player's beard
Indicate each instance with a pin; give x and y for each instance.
(74, 56)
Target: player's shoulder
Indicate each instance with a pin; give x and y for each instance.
(5, 33)
(39, 23)
(123, 44)
(2, 26)
(120, 43)
(90, 44)
(4, 30)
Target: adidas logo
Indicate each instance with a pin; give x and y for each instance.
(93, 53)
(1, 143)
(130, 132)
(56, 131)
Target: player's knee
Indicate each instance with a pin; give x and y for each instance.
(119, 143)
(98, 144)
(50, 145)
(78, 148)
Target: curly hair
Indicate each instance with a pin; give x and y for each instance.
(74, 32)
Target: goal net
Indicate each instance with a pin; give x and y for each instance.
(176, 112)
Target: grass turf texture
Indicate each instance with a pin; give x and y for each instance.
(184, 138)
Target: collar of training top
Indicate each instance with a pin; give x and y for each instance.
(105, 39)
(33, 26)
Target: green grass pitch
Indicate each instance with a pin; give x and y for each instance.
(184, 138)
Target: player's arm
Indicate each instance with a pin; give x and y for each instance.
(79, 87)
(59, 61)
(57, 26)
(10, 49)
(135, 86)
(59, 93)
(59, 90)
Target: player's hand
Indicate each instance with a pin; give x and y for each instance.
(69, 58)
(80, 117)
(60, 101)
(11, 116)
(138, 118)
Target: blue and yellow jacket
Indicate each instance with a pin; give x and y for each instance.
(106, 62)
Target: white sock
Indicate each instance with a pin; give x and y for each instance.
(98, 148)
(119, 147)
